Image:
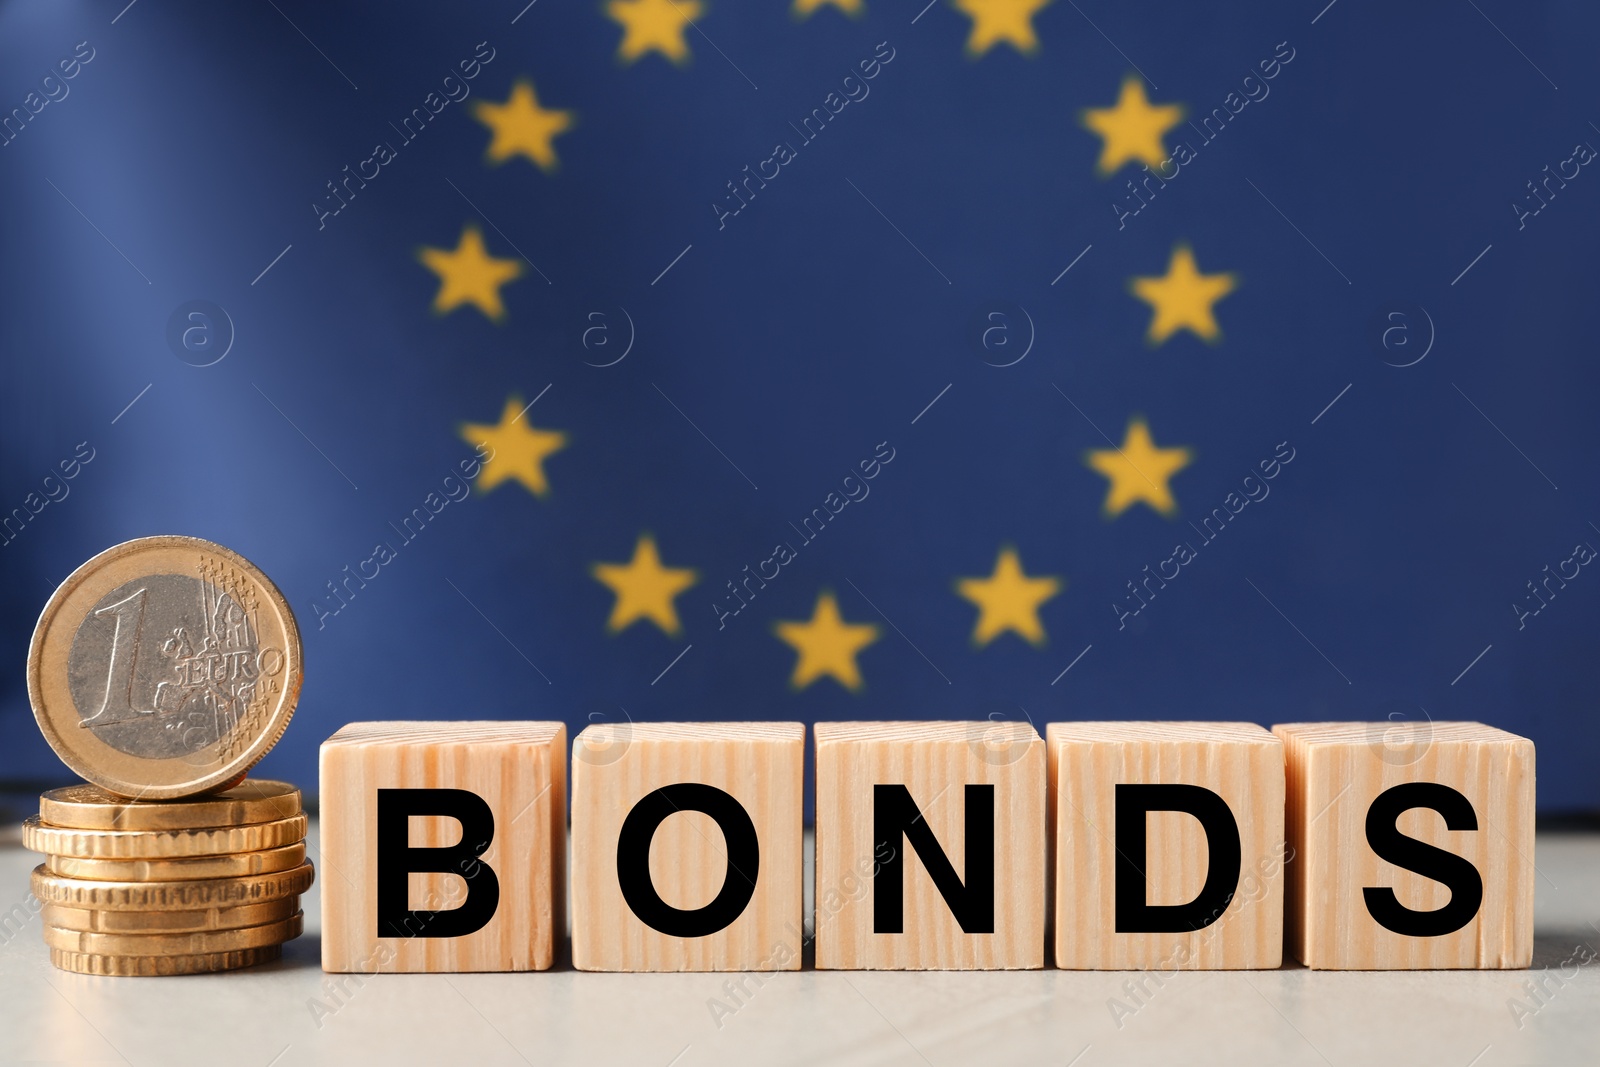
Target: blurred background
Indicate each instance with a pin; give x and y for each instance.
(1012, 360)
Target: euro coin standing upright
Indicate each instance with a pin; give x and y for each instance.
(161, 671)
(164, 667)
(169, 887)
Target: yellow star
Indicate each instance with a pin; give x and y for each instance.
(1182, 298)
(994, 21)
(1139, 471)
(827, 645)
(806, 8)
(654, 26)
(517, 449)
(1008, 600)
(644, 588)
(522, 127)
(469, 275)
(1132, 129)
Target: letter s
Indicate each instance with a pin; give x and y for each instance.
(1455, 872)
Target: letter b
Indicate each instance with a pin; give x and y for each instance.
(398, 860)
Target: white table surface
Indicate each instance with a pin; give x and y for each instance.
(265, 1016)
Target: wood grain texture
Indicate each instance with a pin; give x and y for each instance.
(760, 765)
(1335, 771)
(518, 768)
(1240, 762)
(934, 761)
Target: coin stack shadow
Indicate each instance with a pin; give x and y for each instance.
(133, 887)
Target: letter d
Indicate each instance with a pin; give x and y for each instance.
(1133, 803)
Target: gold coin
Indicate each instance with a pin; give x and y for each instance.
(164, 667)
(196, 944)
(88, 807)
(167, 922)
(161, 844)
(187, 869)
(170, 896)
(151, 966)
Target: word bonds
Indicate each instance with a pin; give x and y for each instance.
(1156, 846)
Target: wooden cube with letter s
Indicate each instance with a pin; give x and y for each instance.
(1413, 845)
(1168, 845)
(930, 846)
(443, 846)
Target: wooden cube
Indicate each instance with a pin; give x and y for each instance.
(443, 846)
(930, 846)
(1168, 846)
(1412, 845)
(686, 846)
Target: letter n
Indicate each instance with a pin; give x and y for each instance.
(896, 821)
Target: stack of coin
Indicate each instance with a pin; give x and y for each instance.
(146, 888)
(161, 671)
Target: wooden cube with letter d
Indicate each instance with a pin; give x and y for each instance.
(1168, 845)
(443, 846)
(1413, 845)
(686, 841)
(930, 845)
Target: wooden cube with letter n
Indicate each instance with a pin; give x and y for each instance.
(443, 846)
(1412, 845)
(930, 845)
(1168, 845)
(686, 842)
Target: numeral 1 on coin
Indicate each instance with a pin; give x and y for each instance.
(118, 703)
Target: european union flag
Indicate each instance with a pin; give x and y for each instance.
(824, 359)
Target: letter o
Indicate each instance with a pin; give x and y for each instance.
(277, 661)
(633, 859)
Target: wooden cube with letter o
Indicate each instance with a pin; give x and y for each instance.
(443, 846)
(1412, 845)
(1168, 845)
(930, 845)
(686, 846)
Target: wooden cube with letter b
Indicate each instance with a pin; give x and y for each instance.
(930, 846)
(686, 846)
(1412, 845)
(1168, 845)
(444, 846)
